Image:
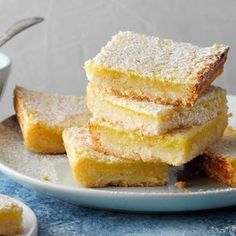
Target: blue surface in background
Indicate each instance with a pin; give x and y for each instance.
(57, 217)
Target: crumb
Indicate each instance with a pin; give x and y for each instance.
(46, 178)
(182, 186)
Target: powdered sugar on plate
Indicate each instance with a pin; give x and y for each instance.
(14, 154)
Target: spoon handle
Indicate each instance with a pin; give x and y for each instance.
(18, 27)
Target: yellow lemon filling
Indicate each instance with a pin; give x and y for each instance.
(148, 118)
(174, 148)
(10, 217)
(129, 84)
(93, 169)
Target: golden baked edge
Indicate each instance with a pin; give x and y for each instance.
(215, 166)
(190, 144)
(96, 170)
(11, 217)
(189, 94)
(147, 118)
(38, 137)
(219, 161)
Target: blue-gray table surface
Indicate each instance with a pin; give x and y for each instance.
(56, 217)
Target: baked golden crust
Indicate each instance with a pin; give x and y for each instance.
(212, 72)
(11, 217)
(218, 167)
(175, 148)
(94, 169)
(42, 118)
(219, 161)
(148, 118)
(187, 98)
(153, 69)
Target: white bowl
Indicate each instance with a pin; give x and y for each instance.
(5, 67)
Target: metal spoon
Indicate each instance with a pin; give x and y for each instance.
(18, 27)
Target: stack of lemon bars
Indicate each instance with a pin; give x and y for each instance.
(152, 106)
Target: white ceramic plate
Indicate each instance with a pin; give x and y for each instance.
(29, 219)
(32, 170)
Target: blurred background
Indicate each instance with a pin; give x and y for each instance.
(50, 56)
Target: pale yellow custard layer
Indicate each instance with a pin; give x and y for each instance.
(11, 222)
(153, 69)
(43, 117)
(93, 169)
(219, 161)
(174, 148)
(148, 118)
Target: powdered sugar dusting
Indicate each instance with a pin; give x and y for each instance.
(6, 203)
(153, 57)
(13, 153)
(81, 140)
(53, 108)
(151, 108)
(56, 167)
(148, 118)
(227, 145)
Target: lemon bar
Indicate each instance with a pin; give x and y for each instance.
(42, 118)
(219, 161)
(11, 222)
(94, 169)
(153, 69)
(148, 118)
(175, 148)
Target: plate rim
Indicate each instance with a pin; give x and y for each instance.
(103, 191)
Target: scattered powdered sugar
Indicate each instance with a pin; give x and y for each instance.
(151, 108)
(81, 140)
(150, 56)
(13, 154)
(55, 168)
(227, 145)
(6, 203)
(53, 108)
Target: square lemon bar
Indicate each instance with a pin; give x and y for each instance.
(42, 118)
(94, 169)
(149, 118)
(153, 69)
(11, 219)
(219, 161)
(175, 148)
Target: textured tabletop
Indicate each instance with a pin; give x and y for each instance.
(56, 217)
